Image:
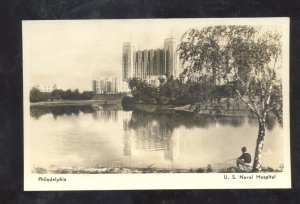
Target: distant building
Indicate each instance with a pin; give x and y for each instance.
(109, 85)
(150, 64)
(47, 88)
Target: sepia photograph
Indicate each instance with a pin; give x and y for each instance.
(156, 104)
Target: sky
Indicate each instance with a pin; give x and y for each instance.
(71, 53)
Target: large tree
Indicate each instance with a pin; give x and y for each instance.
(245, 58)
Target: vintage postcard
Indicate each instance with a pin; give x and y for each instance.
(156, 104)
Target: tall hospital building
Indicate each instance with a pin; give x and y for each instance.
(150, 64)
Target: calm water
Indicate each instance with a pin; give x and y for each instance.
(84, 137)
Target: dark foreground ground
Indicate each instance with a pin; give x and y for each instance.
(124, 170)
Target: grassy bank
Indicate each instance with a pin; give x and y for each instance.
(126, 170)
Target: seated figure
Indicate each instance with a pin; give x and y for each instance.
(244, 161)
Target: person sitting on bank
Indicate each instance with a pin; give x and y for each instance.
(243, 162)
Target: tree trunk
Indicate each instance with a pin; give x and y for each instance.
(259, 146)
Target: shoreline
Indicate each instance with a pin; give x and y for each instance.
(140, 170)
(149, 108)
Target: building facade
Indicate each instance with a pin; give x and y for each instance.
(128, 60)
(150, 64)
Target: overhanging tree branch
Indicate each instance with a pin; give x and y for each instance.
(251, 108)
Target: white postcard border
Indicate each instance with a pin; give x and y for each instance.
(45, 182)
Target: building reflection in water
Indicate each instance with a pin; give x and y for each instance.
(106, 115)
(149, 134)
(107, 112)
(172, 148)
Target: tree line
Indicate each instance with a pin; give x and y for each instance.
(58, 94)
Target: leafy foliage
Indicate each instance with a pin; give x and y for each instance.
(246, 58)
(179, 92)
(142, 91)
(170, 91)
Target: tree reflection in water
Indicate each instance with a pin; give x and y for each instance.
(169, 121)
(38, 111)
(270, 122)
(174, 120)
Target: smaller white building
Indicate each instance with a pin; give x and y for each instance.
(47, 87)
(107, 85)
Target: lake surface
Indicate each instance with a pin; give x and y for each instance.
(83, 136)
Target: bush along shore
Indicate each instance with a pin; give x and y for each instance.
(149, 169)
